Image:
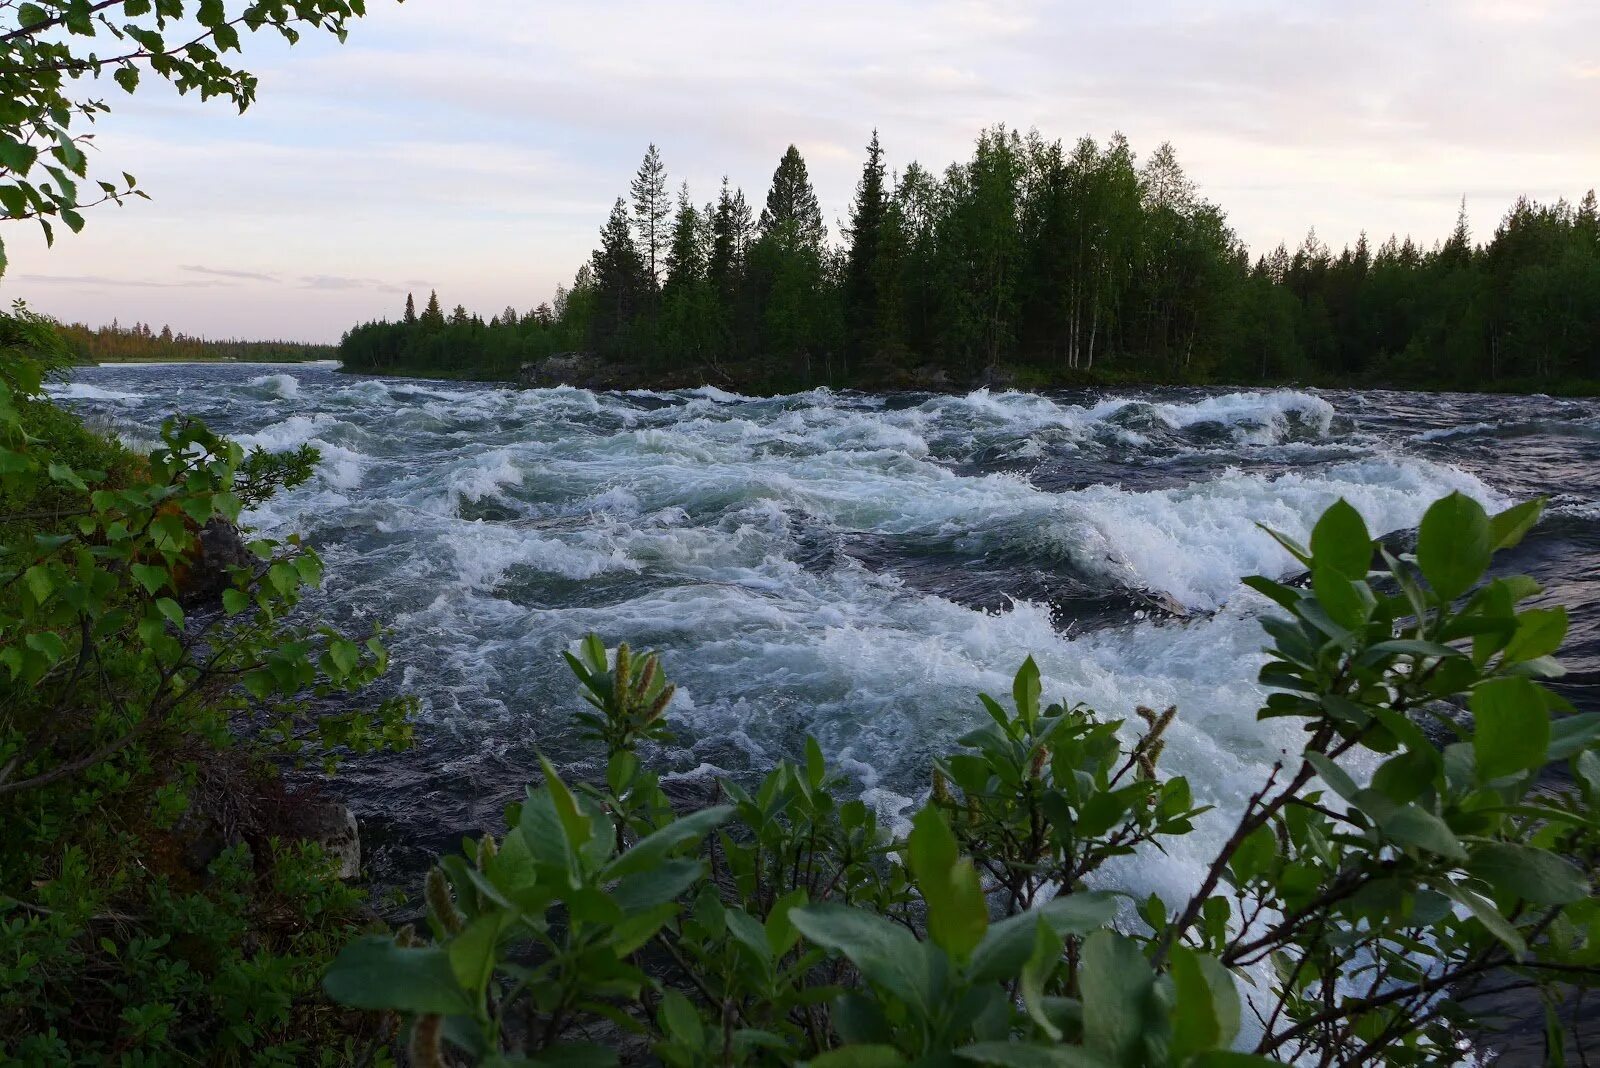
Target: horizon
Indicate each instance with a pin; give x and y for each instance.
(480, 160)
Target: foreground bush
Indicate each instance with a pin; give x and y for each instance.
(149, 912)
(1342, 922)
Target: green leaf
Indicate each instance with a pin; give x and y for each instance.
(39, 582)
(1570, 734)
(653, 848)
(1453, 545)
(874, 1056)
(1336, 778)
(1485, 912)
(234, 601)
(1535, 875)
(1205, 1009)
(886, 953)
(1021, 1055)
(127, 77)
(1507, 528)
(375, 973)
(345, 654)
(1539, 633)
(958, 915)
(1340, 542)
(1118, 1000)
(1025, 691)
(472, 952)
(151, 578)
(1411, 825)
(1511, 727)
(1008, 943)
(1041, 964)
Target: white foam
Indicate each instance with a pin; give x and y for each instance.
(85, 391)
(281, 385)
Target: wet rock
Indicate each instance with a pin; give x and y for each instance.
(221, 547)
(332, 825)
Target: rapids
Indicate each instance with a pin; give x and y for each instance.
(856, 567)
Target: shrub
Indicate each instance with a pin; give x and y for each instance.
(1341, 921)
(147, 912)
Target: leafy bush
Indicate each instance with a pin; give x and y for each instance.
(147, 911)
(1341, 921)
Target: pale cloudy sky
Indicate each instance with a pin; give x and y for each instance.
(475, 146)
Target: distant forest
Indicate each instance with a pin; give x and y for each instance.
(140, 342)
(1033, 263)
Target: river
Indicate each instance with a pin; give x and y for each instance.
(855, 567)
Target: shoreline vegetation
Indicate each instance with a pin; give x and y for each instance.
(1033, 265)
(141, 343)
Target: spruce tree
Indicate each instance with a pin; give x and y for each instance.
(651, 210)
(433, 315)
(863, 274)
(685, 260)
(619, 277)
(411, 311)
(792, 206)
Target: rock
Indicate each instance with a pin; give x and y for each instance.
(563, 368)
(221, 547)
(333, 826)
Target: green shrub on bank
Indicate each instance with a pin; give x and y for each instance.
(1340, 922)
(149, 911)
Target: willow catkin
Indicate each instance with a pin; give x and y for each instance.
(647, 675)
(623, 669)
(426, 1048)
(440, 903)
(660, 704)
(486, 851)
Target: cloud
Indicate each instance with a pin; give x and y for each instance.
(487, 150)
(337, 281)
(223, 272)
(100, 281)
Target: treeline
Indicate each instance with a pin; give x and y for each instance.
(140, 342)
(1036, 263)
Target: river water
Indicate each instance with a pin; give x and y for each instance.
(850, 566)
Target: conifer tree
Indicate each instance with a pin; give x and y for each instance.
(433, 315)
(619, 277)
(792, 206)
(863, 271)
(411, 311)
(651, 210)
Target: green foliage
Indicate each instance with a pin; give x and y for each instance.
(146, 909)
(48, 49)
(1036, 264)
(1362, 922)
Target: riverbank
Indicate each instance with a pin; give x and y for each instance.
(773, 378)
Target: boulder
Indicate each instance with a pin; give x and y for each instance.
(221, 547)
(332, 825)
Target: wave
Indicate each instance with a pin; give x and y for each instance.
(83, 391)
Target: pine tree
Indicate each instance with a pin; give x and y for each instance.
(792, 207)
(651, 210)
(864, 275)
(411, 311)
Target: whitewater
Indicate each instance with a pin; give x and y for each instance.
(848, 566)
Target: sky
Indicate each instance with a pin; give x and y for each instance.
(475, 146)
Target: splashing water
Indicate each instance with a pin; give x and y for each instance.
(850, 566)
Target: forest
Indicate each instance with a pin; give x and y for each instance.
(1033, 263)
(117, 343)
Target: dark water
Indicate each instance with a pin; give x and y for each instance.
(850, 566)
